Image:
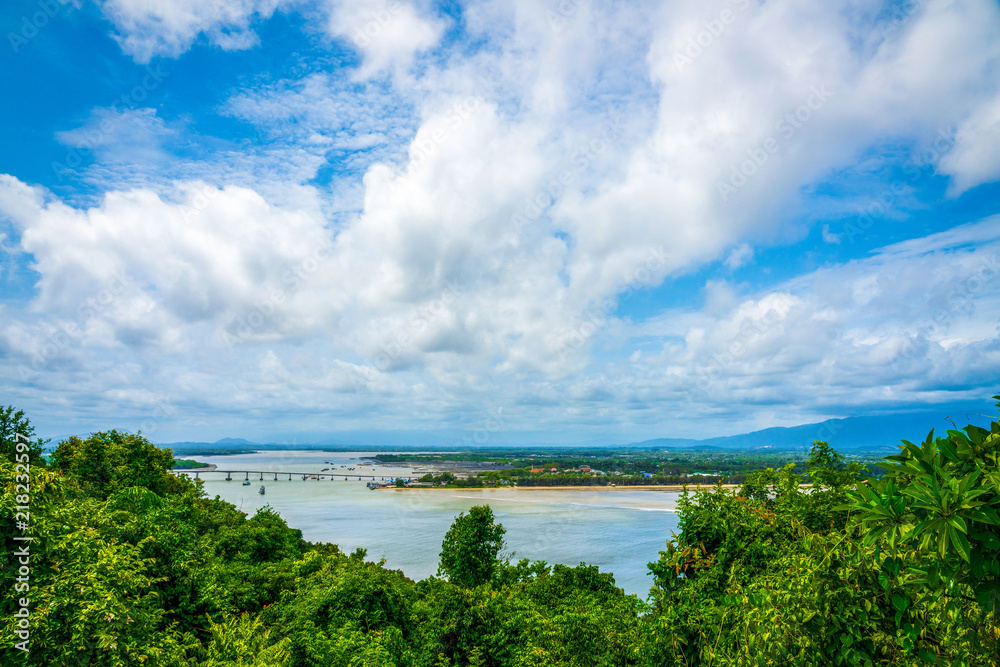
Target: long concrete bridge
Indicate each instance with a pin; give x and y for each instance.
(304, 475)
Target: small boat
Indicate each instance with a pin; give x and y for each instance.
(261, 490)
(246, 483)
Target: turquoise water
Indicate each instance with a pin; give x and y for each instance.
(618, 530)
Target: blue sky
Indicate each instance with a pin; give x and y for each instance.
(572, 221)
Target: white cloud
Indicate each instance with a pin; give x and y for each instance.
(739, 256)
(358, 122)
(777, 100)
(148, 28)
(198, 258)
(132, 135)
(975, 159)
(388, 35)
(830, 237)
(491, 200)
(284, 315)
(879, 331)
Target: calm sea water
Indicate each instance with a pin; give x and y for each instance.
(618, 530)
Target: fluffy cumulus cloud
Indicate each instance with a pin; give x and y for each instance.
(972, 161)
(388, 35)
(905, 322)
(146, 29)
(459, 219)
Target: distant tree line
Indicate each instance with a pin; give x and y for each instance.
(187, 464)
(620, 480)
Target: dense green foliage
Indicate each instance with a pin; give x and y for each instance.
(15, 427)
(112, 461)
(604, 467)
(902, 570)
(443, 478)
(618, 460)
(132, 565)
(187, 464)
(584, 479)
(471, 547)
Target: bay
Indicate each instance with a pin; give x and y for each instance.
(619, 530)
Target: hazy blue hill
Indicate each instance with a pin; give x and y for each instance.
(882, 432)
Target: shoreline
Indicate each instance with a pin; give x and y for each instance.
(639, 487)
(207, 468)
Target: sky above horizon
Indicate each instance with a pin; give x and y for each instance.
(559, 220)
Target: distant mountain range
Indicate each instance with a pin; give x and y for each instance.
(849, 434)
(870, 433)
(235, 442)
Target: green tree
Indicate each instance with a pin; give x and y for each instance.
(471, 548)
(936, 519)
(113, 460)
(15, 428)
(263, 538)
(92, 597)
